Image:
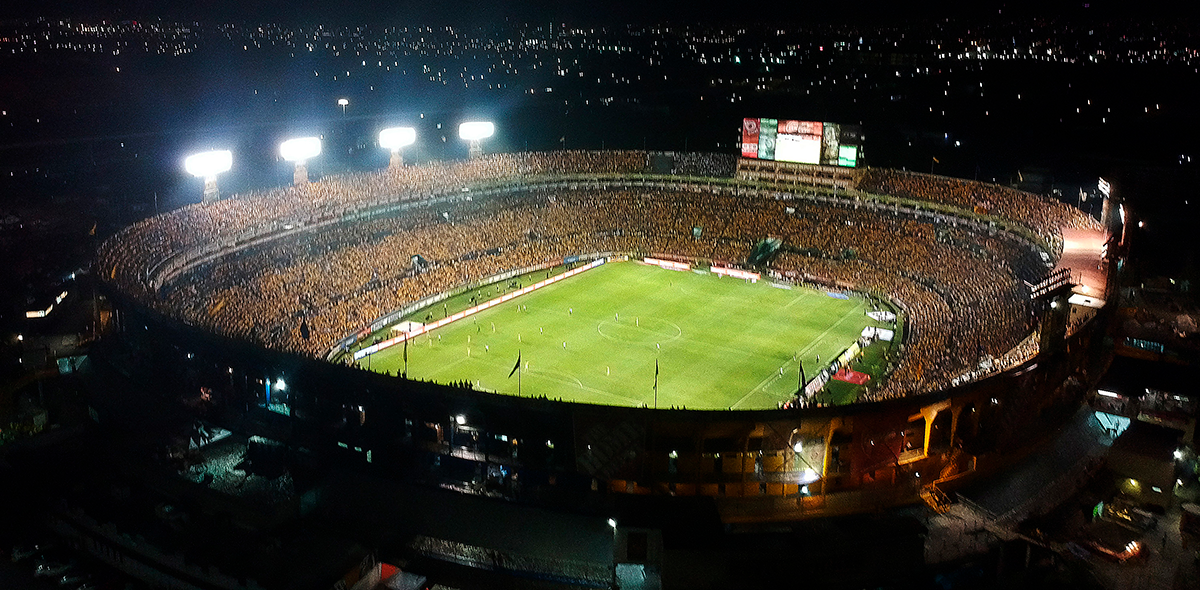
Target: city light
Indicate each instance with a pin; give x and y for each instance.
(281, 385)
(395, 138)
(208, 164)
(612, 522)
(300, 149)
(460, 419)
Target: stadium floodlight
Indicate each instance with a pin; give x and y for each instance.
(343, 102)
(395, 138)
(300, 150)
(474, 132)
(208, 165)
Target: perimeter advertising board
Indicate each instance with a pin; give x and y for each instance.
(805, 142)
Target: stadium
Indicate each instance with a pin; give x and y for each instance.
(782, 340)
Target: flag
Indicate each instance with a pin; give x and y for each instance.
(656, 374)
(516, 366)
(937, 160)
(304, 333)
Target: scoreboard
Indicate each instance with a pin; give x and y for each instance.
(805, 142)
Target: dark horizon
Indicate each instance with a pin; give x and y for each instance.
(581, 12)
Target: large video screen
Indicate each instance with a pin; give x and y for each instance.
(805, 142)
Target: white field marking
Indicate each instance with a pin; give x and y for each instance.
(678, 330)
(775, 376)
(563, 378)
(802, 295)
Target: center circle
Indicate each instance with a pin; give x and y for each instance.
(644, 330)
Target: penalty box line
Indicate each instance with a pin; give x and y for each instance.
(775, 376)
(374, 348)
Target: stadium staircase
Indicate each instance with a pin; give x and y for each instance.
(609, 447)
(936, 499)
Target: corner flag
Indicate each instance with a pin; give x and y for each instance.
(516, 366)
(656, 384)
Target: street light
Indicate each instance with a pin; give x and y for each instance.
(300, 150)
(343, 102)
(474, 132)
(208, 165)
(395, 138)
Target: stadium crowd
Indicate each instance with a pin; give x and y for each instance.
(965, 291)
(1044, 216)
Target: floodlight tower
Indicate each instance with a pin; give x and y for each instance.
(395, 138)
(343, 102)
(474, 132)
(208, 165)
(300, 150)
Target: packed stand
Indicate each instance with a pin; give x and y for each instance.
(966, 291)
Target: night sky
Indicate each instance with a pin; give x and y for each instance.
(581, 11)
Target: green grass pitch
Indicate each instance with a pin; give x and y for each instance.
(719, 342)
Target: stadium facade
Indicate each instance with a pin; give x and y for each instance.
(179, 331)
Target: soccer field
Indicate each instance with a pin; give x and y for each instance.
(596, 338)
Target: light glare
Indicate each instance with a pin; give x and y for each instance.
(300, 149)
(476, 130)
(395, 138)
(207, 164)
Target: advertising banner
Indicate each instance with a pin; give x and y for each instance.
(803, 142)
(749, 138)
(766, 138)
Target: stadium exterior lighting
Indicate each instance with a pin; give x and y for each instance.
(612, 522)
(460, 419)
(300, 150)
(394, 139)
(475, 132)
(208, 165)
(343, 102)
(281, 385)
